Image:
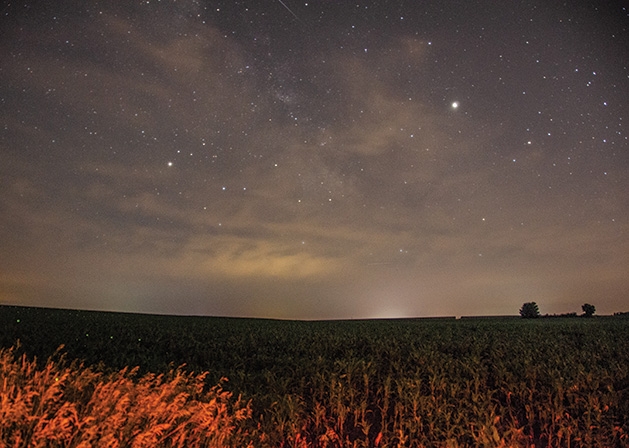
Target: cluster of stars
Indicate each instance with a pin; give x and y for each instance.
(411, 136)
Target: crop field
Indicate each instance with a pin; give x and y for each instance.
(92, 379)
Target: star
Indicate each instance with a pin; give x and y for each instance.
(289, 123)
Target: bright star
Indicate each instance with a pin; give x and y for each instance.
(455, 104)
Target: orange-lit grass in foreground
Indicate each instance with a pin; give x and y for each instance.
(61, 405)
(64, 404)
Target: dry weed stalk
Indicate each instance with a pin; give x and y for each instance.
(73, 406)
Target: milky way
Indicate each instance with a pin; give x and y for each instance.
(315, 159)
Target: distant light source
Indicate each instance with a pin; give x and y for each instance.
(455, 105)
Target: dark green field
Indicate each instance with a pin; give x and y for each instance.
(407, 382)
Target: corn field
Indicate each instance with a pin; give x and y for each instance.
(139, 380)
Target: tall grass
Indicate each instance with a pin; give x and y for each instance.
(405, 383)
(69, 405)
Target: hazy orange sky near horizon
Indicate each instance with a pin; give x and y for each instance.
(315, 160)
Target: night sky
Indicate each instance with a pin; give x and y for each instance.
(315, 160)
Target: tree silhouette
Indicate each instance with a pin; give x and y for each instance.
(529, 310)
(588, 310)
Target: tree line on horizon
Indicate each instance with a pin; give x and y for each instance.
(530, 310)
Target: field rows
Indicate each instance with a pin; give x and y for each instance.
(432, 383)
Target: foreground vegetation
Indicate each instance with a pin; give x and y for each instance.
(432, 383)
(61, 405)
